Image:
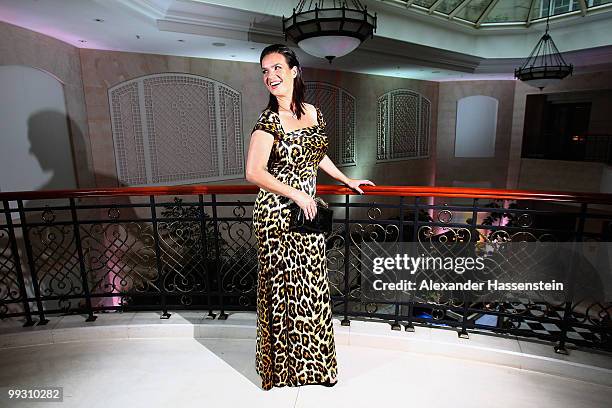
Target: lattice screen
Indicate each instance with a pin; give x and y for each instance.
(403, 125)
(338, 108)
(176, 129)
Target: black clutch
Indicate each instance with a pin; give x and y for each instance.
(321, 223)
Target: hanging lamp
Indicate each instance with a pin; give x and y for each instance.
(545, 65)
(329, 32)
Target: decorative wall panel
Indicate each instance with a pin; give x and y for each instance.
(127, 134)
(182, 129)
(231, 125)
(403, 125)
(338, 108)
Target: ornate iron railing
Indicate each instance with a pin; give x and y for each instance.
(192, 247)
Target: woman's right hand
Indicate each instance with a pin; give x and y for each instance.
(306, 203)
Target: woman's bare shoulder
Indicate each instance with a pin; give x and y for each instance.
(311, 109)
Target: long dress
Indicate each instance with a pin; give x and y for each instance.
(295, 337)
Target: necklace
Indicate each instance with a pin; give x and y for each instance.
(293, 115)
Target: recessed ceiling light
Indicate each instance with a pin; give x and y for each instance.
(180, 40)
(218, 44)
(99, 20)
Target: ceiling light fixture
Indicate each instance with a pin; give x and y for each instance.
(545, 65)
(329, 32)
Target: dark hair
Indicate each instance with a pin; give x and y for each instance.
(297, 99)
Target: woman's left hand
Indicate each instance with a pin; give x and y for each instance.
(354, 184)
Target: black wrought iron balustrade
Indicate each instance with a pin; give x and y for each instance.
(192, 247)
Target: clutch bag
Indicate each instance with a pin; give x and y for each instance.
(321, 223)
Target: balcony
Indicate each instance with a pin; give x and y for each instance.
(153, 289)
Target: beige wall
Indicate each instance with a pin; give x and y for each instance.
(87, 75)
(19, 46)
(366, 89)
(466, 170)
(103, 69)
(553, 174)
(507, 169)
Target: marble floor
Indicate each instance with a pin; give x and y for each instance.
(193, 371)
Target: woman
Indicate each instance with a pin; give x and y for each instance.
(295, 338)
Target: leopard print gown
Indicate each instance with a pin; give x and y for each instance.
(295, 337)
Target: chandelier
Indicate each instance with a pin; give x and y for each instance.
(545, 65)
(329, 32)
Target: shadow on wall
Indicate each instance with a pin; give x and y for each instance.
(109, 244)
(46, 137)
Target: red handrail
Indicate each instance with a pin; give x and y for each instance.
(325, 189)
